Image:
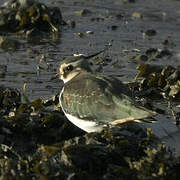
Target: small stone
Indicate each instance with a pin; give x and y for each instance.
(164, 52)
(89, 32)
(151, 51)
(73, 24)
(175, 89)
(136, 50)
(80, 34)
(119, 16)
(141, 58)
(137, 15)
(83, 12)
(23, 15)
(7, 43)
(114, 27)
(128, 1)
(11, 114)
(32, 33)
(97, 19)
(168, 43)
(150, 32)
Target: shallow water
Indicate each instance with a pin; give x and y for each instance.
(162, 16)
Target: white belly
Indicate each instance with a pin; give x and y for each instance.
(87, 126)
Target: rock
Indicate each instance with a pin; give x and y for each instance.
(129, 1)
(8, 44)
(150, 32)
(3, 70)
(89, 32)
(137, 15)
(36, 142)
(163, 53)
(83, 12)
(71, 23)
(119, 16)
(167, 78)
(152, 52)
(114, 27)
(24, 15)
(80, 34)
(141, 58)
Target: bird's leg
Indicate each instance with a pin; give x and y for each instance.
(124, 120)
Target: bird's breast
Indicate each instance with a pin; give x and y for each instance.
(88, 126)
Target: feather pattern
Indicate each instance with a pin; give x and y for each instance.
(102, 99)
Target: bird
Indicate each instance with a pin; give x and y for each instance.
(92, 101)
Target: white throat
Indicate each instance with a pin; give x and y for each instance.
(70, 76)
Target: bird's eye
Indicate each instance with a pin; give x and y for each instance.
(69, 68)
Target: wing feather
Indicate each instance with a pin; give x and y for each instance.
(91, 98)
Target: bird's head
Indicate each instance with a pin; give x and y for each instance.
(73, 66)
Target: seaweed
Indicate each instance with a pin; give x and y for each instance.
(37, 143)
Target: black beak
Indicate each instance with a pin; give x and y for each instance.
(95, 54)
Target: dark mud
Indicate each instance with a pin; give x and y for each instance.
(41, 143)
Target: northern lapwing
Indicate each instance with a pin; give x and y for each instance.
(92, 101)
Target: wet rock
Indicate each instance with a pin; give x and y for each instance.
(119, 16)
(9, 99)
(150, 32)
(3, 70)
(39, 143)
(114, 27)
(141, 58)
(8, 44)
(83, 12)
(18, 3)
(163, 53)
(80, 34)
(147, 69)
(89, 32)
(174, 76)
(168, 43)
(152, 52)
(25, 15)
(174, 89)
(158, 53)
(115, 148)
(32, 33)
(137, 15)
(71, 23)
(165, 79)
(129, 1)
(97, 19)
